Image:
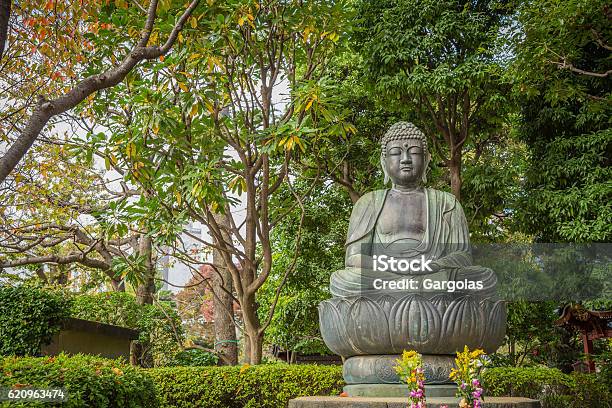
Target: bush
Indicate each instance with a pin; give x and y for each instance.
(195, 358)
(264, 386)
(88, 381)
(161, 333)
(552, 387)
(29, 317)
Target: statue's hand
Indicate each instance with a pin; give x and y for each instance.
(360, 261)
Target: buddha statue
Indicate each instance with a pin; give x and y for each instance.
(435, 304)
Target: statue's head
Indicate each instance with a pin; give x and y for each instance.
(404, 155)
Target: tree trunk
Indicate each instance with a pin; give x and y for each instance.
(223, 311)
(454, 167)
(354, 195)
(252, 330)
(40, 272)
(145, 291)
(5, 14)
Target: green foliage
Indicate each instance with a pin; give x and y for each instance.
(161, 334)
(88, 381)
(492, 174)
(533, 338)
(195, 358)
(553, 388)
(565, 119)
(29, 317)
(435, 62)
(295, 323)
(264, 386)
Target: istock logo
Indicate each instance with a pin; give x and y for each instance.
(384, 263)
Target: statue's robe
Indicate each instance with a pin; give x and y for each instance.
(445, 241)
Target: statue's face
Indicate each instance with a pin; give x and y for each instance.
(405, 162)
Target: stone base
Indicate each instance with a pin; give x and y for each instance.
(380, 369)
(367, 402)
(396, 390)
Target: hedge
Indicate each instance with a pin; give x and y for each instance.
(97, 382)
(553, 388)
(29, 317)
(88, 381)
(263, 386)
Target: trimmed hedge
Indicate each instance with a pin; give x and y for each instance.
(553, 388)
(263, 386)
(97, 382)
(88, 381)
(29, 317)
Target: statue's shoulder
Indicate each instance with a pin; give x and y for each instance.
(370, 196)
(443, 199)
(369, 202)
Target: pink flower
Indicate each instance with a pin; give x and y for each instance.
(463, 385)
(475, 382)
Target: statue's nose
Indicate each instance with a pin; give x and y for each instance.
(406, 159)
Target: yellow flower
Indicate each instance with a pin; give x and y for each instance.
(476, 353)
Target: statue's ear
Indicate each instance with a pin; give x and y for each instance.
(426, 167)
(384, 169)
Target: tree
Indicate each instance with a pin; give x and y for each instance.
(59, 222)
(204, 301)
(46, 107)
(437, 61)
(492, 164)
(225, 135)
(561, 69)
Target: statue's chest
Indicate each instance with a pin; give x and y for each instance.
(403, 216)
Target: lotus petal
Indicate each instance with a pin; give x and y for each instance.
(462, 325)
(333, 329)
(366, 326)
(414, 323)
(495, 324)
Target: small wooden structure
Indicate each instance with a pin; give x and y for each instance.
(88, 337)
(591, 324)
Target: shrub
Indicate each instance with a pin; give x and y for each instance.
(195, 358)
(29, 317)
(160, 328)
(264, 386)
(552, 387)
(88, 381)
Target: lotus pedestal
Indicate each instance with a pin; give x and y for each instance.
(371, 332)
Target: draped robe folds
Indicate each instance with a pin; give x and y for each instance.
(445, 241)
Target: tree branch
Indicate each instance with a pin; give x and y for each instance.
(45, 109)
